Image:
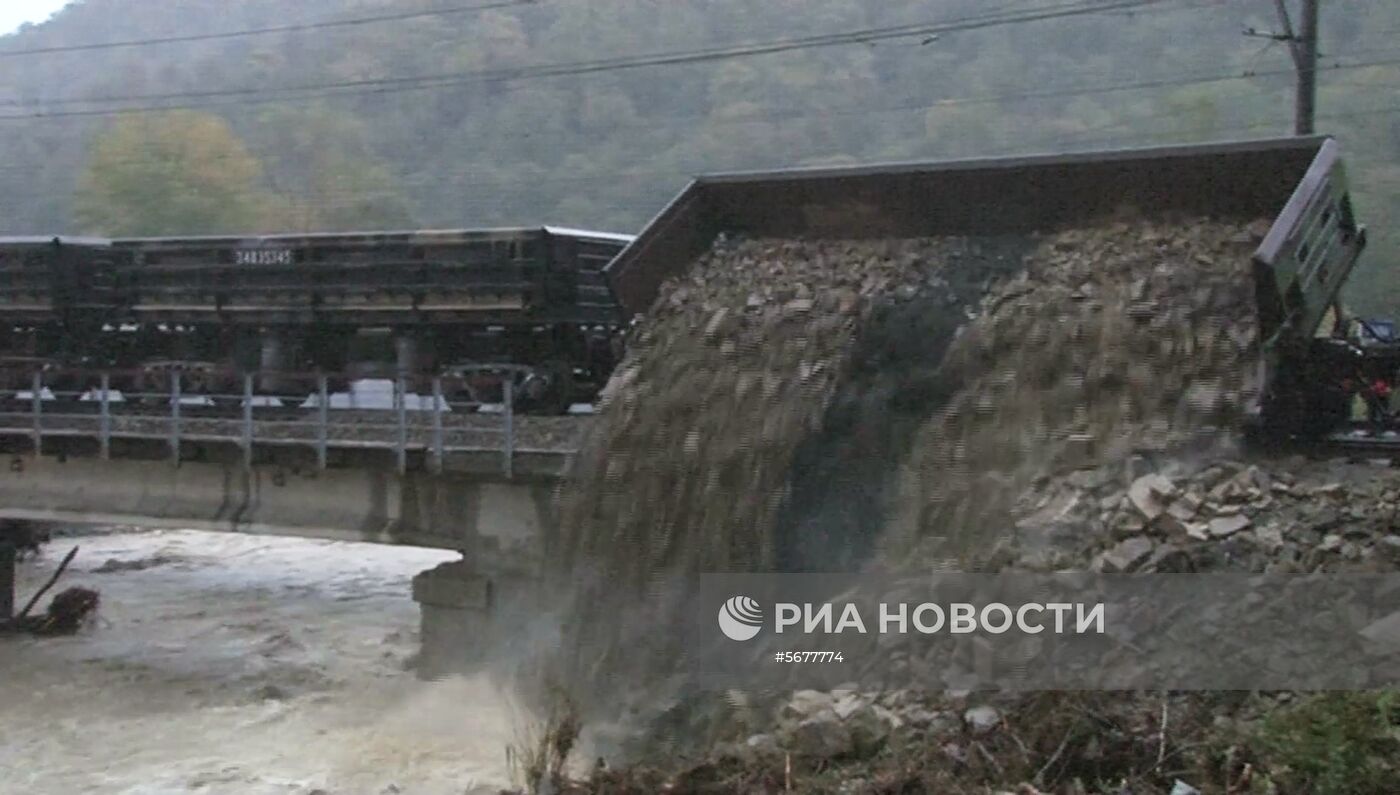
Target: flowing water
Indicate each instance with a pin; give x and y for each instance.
(234, 664)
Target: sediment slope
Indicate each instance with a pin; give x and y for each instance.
(1129, 335)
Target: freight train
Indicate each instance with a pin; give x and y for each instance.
(477, 308)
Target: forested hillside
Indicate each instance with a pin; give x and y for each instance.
(446, 113)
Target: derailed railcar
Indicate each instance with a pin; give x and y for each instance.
(1299, 184)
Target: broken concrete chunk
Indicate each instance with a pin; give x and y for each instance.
(1182, 510)
(847, 705)
(716, 324)
(806, 703)
(1223, 526)
(981, 720)
(1127, 555)
(1170, 523)
(1150, 494)
(798, 306)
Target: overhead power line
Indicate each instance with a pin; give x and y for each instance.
(262, 95)
(780, 114)
(486, 204)
(293, 28)
(1080, 139)
(806, 114)
(1098, 89)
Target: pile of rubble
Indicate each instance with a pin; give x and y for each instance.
(753, 426)
(1133, 334)
(731, 370)
(1083, 423)
(689, 463)
(1281, 516)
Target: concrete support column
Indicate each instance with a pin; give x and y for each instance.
(484, 607)
(468, 618)
(457, 609)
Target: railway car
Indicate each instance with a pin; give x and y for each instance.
(481, 308)
(58, 298)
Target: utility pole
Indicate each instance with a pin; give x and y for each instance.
(1305, 122)
(1302, 45)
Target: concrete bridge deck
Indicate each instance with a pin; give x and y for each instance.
(422, 472)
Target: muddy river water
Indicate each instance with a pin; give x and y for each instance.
(233, 664)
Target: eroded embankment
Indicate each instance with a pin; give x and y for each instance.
(759, 418)
(1081, 418)
(735, 367)
(803, 405)
(1130, 335)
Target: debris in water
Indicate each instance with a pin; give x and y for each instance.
(67, 613)
(114, 565)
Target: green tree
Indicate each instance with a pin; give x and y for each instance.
(328, 176)
(175, 173)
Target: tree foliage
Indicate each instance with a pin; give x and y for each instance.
(168, 174)
(608, 149)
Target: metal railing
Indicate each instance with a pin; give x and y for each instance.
(406, 415)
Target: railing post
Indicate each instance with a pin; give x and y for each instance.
(37, 388)
(437, 424)
(322, 419)
(401, 409)
(175, 416)
(7, 579)
(508, 408)
(105, 418)
(247, 421)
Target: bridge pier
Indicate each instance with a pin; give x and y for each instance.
(455, 607)
(482, 607)
(468, 618)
